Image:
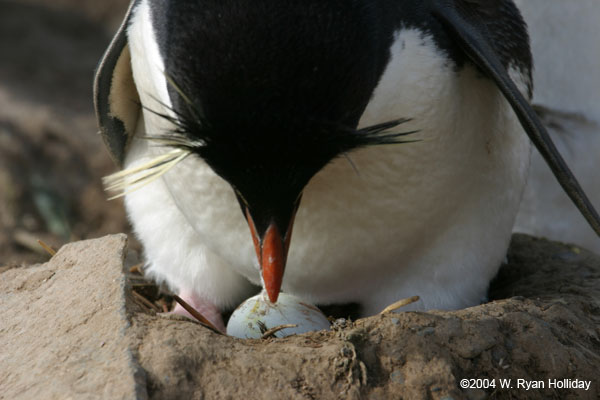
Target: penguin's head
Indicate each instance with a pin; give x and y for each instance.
(268, 106)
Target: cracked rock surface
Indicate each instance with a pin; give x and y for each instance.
(71, 328)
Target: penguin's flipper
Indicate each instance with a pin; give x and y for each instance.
(471, 34)
(116, 100)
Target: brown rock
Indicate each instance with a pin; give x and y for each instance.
(64, 327)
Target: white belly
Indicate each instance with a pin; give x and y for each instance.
(431, 218)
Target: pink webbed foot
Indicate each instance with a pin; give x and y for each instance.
(207, 309)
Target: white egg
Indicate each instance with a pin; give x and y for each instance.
(258, 312)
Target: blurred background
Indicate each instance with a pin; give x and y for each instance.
(52, 159)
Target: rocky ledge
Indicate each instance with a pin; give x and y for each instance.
(73, 328)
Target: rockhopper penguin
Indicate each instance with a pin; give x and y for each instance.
(391, 137)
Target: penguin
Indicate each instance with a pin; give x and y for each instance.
(356, 151)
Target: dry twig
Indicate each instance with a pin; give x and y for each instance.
(400, 304)
(136, 269)
(273, 331)
(196, 314)
(48, 248)
(146, 302)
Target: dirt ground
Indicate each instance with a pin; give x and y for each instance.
(543, 322)
(90, 332)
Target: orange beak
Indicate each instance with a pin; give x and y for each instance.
(271, 251)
